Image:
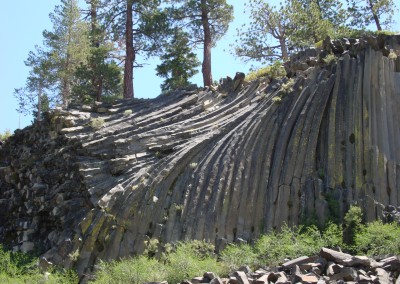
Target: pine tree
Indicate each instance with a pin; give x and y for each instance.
(206, 21)
(67, 45)
(53, 66)
(100, 75)
(266, 39)
(366, 12)
(179, 63)
(143, 25)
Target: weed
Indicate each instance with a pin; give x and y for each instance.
(329, 59)
(277, 99)
(352, 224)
(5, 135)
(287, 87)
(128, 112)
(97, 123)
(377, 238)
(274, 71)
(74, 255)
(392, 55)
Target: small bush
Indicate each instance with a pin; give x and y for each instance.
(287, 87)
(352, 224)
(277, 99)
(16, 267)
(97, 123)
(274, 71)
(128, 112)
(136, 270)
(189, 260)
(234, 256)
(377, 238)
(329, 59)
(111, 98)
(392, 55)
(5, 135)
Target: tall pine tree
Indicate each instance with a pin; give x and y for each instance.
(206, 21)
(142, 25)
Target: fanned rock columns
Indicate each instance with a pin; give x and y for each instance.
(218, 165)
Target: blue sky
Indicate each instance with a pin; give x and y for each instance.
(22, 23)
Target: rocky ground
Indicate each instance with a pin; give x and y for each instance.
(329, 266)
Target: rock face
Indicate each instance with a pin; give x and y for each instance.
(97, 182)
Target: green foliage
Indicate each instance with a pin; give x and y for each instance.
(97, 123)
(179, 63)
(137, 270)
(273, 71)
(366, 12)
(287, 87)
(295, 23)
(352, 224)
(313, 21)
(5, 135)
(190, 260)
(392, 55)
(267, 22)
(329, 59)
(234, 256)
(22, 268)
(377, 238)
(277, 99)
(98, 77)
(127, 112)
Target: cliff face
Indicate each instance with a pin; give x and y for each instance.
(211, 164)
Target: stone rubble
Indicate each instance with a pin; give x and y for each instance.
(334, 267)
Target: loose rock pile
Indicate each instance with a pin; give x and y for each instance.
(329, 266)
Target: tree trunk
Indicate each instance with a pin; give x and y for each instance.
(206, 67)
(99, 88)
(97, 80)
(374, 15)
(284, 50)
(39, 109)
(130, 52)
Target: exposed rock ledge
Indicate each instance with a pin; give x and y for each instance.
(209, 164)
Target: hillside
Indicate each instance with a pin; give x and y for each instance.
(219, 164)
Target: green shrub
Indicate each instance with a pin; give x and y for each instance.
(127, 112)
(377, 238)
(234, 256)
(135, 270)
(111, 98)
(16, 267)
(287, 87)
(392, 55)
(97, 123)
(352, 224)
(329, 59)
(5, 135)
(277, 99)
(274, 71)
(191, 259)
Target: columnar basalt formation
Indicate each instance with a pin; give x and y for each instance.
(216, 164)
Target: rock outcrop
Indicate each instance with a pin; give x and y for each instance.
(220, 164)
